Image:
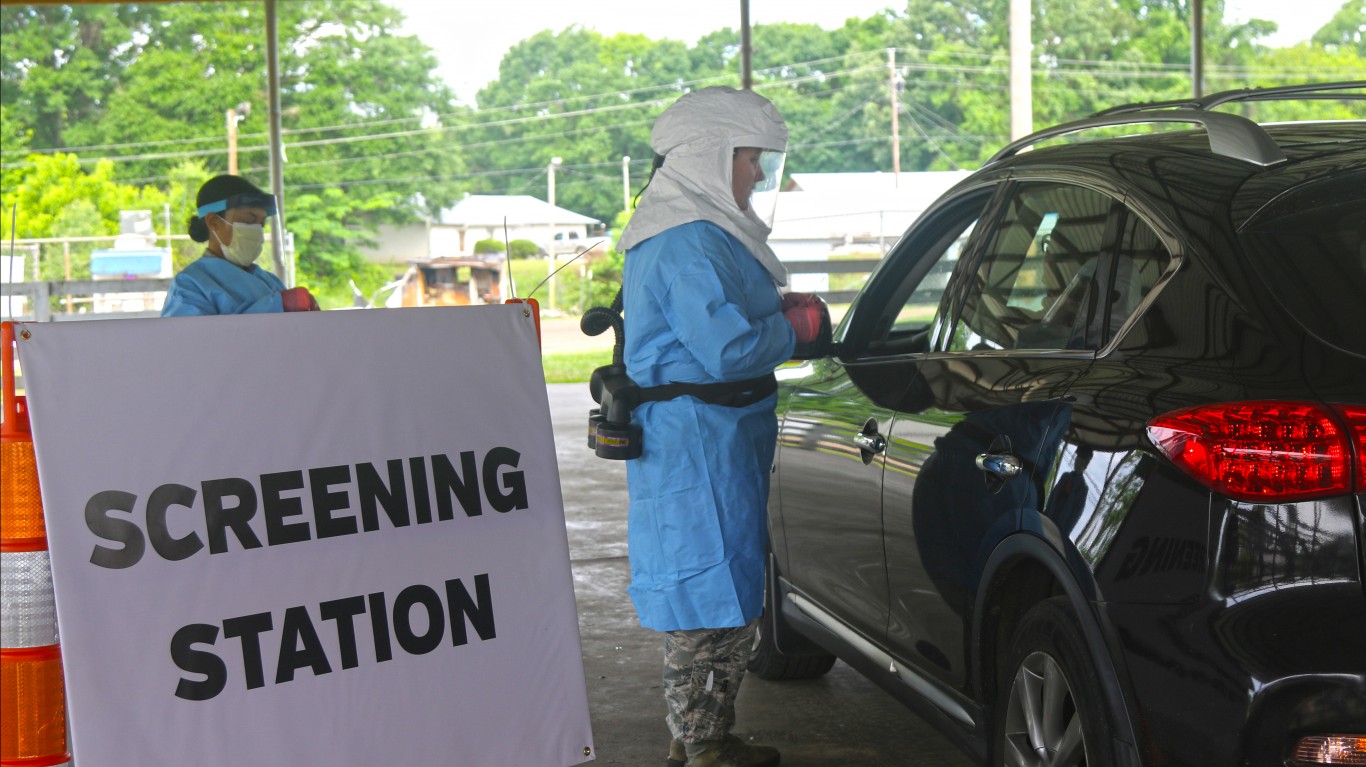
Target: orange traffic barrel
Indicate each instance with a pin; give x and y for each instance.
(32, 699)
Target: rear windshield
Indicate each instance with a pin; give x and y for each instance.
(1310, 246)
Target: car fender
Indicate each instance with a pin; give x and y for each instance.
(1080, 590)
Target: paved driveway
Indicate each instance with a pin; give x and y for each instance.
(838, 720)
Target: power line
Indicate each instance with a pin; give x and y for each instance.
(1108, 69)
(672, 86)
(426, 131)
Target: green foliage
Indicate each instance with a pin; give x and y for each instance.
(1346, 31)
(573, 367)
(522, 248)
(327, 226)
(181, 188)
(147, 86)
(489, 245)
(527, 273)
(108, 107)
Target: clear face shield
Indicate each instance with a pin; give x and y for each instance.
(263, 201)
(764, 200)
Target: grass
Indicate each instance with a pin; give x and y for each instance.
(573, 367)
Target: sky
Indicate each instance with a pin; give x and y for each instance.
(470, 38)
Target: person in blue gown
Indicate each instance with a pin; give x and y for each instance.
(231, 219)
(702, 305)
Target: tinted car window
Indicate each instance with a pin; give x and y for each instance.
(921, 305)
(1140, 260)
(1314, 258)
(1036, 283)
(904, 302)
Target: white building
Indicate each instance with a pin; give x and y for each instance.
(825, 214)
(479, 217)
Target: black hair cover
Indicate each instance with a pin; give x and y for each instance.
(199, 229)
(222, 187)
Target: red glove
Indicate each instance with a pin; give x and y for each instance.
(806, 312)
(298, 300)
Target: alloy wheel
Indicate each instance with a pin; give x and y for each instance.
(1043, 727)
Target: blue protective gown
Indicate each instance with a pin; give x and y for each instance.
(699, 308)
(213, 285)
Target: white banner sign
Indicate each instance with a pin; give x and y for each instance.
(327, 538)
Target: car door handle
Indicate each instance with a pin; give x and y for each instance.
(1001, 464)
(870, 443)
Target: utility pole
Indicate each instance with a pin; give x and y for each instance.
(235, 115)
(1198, 48)
(896, 123)
(626, 183)
(281, 253)
(746, 50)
(1021, 90)
(550, 249)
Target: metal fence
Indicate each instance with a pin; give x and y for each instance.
(850, 266)
(39, 295)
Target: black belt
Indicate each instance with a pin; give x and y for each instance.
(728, 393)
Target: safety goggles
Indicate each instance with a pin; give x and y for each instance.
(243, 200)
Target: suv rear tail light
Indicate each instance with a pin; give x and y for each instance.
(1267, 451)
(1355, 416)
(1330, 749)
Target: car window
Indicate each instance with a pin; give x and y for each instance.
(1310, 247)
(903, 303)
(920, 306)
(1035, 285)
(1140, 259)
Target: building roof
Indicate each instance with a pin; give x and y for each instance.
(865, 183)
(514, 209)
(856, 206)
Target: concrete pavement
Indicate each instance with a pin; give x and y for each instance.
(838, 719)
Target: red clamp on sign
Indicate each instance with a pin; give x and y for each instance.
(534, 307)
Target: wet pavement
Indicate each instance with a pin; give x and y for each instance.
(836, 720)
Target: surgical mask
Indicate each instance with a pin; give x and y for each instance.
(246, 245)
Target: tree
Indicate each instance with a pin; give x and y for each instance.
(147, 86)
(326, 240)
(57, 197)
(1346, 31)
(61, 64)
(579, 96)
(15, 139)
(127, 102)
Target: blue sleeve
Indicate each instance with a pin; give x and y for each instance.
(185, 299)
(705, 304)
(270, 302)
(197, 291)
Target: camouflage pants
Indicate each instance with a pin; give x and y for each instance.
(703, 669)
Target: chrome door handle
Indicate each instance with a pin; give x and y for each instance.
(1001, 464)
(870, 443)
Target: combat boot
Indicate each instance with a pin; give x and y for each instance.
(734, 752)
(678, 755)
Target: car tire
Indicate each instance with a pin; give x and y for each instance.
(766, 661)
(1050, 696)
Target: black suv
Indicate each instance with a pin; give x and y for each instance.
(1081, 479)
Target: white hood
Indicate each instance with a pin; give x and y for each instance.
(698, 135)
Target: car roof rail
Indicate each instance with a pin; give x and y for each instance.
(1307, 92)
(1229, 134)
